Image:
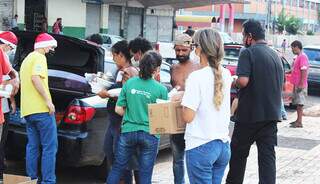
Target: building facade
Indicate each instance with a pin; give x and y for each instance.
(306, 10)
(81, 18)
(6, 14)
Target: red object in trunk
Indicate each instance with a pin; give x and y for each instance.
(78, 115)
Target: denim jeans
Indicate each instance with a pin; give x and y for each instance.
(111, 141)
(178, 147)
(206, 163)
(283, 110)
(42, 131)
(128, 142)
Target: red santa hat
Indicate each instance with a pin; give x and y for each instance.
(8, 37)
(44, 40)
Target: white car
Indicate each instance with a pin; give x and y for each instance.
(110, 40)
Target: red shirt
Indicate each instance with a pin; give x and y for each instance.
(4, 70)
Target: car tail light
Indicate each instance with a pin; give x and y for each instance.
(78, 115)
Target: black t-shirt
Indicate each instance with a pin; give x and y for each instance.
(260, 100)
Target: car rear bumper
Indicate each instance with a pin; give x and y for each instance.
(71, 151)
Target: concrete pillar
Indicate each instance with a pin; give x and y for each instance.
(231, 17)
(222, 18)
(104, 20)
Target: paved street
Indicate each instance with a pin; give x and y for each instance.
(298, 158)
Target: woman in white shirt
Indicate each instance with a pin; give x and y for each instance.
(206, 103)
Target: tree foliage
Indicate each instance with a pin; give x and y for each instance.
(290, 24)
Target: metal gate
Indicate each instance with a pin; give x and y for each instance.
(151, 32)
(134, 26)
(93, 19)
(114, 24)
(159, 28)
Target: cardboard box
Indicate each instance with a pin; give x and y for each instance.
(166, 118)
(15, 179)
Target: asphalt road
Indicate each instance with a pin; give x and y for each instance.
(88, 175)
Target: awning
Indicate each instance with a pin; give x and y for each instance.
(179, 4)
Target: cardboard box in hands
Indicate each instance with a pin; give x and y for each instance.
(166, 118)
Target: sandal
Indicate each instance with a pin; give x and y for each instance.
(292, 123)
(295, 125)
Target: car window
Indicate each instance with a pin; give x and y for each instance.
(313, 55)
(226, 38)
(286, 65)
(232, 53)
(110, 67)
(106, 39)
(164, 76)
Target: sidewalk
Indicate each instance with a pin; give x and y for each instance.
(298, 156)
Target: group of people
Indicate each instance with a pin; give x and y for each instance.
(57, 27)
(41, 124)
(204, 92)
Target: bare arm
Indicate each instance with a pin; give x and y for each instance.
(13, 105)
(242, 82)
(188, 114)
(303, 78)
(120, 110)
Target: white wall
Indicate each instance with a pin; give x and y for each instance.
(72, 12)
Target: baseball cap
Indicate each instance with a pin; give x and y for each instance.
(183, 39)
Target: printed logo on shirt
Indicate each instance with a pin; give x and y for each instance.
(138, 92)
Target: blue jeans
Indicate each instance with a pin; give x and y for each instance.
(42, 131)
(111, 141)
(178, 147)
(206, 163)
(128, 142)
(283, 110)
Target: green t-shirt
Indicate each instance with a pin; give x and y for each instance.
(135, 95)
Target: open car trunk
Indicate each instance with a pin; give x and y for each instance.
(66, 68)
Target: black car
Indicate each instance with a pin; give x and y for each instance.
(313, 53)
(81, 115)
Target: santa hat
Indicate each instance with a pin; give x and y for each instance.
(8, 37)
(44, 40)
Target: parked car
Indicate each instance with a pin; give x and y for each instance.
(313, 53)
(230, 61)
(80, 114)
(110, 40)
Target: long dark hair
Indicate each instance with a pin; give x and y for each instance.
(149, 63)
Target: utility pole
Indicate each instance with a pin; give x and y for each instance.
(268, 15)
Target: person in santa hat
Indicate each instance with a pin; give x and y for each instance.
(8, 75)
(38, 110)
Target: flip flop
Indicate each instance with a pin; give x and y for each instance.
(295, 126)
(292, 123)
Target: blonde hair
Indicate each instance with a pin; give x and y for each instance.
(212, 47)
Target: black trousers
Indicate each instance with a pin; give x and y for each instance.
(3, 142)
(244, 135)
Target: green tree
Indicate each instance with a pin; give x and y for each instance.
(293, 25)
(281, 21)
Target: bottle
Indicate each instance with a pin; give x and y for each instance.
(6, 91)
